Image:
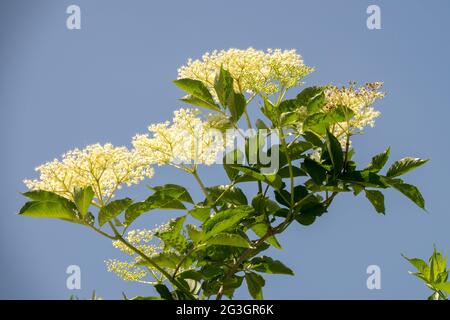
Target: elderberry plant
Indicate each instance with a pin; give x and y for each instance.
(308, 163)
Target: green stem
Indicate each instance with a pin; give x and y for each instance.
(204, 190)
(173, 281)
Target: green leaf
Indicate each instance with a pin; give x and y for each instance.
(255, 283)
(223, 85)
(419, 264)
(200, 213)
(404, 165)
(297, 148)
(335, 150)
(314, 139)
(260, 229)
(83, 199)
(263, 205)
(40, 195)
(339, 114)
(273, 180)
(172, 237)
(199, 103)
(194, 233)
(197, 90)
(236, 104)
(228, 239)
(365, 179)
(409, 191)
(159, 200)
(191, 274)
(313, 98)
(315, 170)
(48, 205)
(112, 210)
(235, 157)
(233, 195)
(48, 209)
(168, 260)
(377, 199)
(379, 161)
(317, 122)
(437, 265)
(444, 286)
(163, 291)
(268, 265)
(224, 220)
(174, 191)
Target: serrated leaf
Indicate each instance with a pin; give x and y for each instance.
(83, 199)
(313, 98)
(227, 195)
(194, 233)
(419, 264)
(403, 166)
(224, 220)
(200, 213)
(190, 99)
(163, 291)
(223, 85)
(173, 191)
(260, 229)
(48, 209)
(268, 265)
(335, 151)
(273, 180)
(158, 200)
(376, 198)
(195, 88)
(314, 170)
(379, 161)
(445, 286)
(236, 104)
(255, 283)
(228, 239)
(112, 210)
(172, 237)
(409, 191)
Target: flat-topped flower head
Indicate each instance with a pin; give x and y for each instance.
(103, 167)
(359, 100)
(254, 71)
(187, 140)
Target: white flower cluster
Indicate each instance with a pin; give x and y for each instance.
(103, 167)
(359, 100)
(188, 140)
(255, 71)
(143, 240)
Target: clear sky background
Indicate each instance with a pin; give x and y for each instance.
(61, 89)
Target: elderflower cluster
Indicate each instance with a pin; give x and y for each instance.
(187, 140)
(359, 100)
(103, 167)
(143, 240)
(126, 270)
(254, 71)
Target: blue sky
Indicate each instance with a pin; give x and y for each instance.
(61, 89)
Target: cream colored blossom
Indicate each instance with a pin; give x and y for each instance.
(103, 167)
(359, 100)
(126, 270)
(188, 140)
(145, 241)
(255, 71)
